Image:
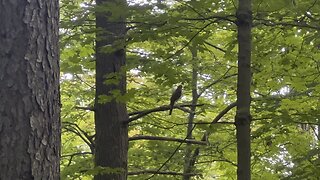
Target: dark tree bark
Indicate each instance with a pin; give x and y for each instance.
(243, 117)
(29, 90)
(111, 116)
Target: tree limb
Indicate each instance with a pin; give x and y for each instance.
(89, 108)
(290, 24)
(162, 172)
(189, 141)
(139, 114)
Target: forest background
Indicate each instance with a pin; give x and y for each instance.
(195, 43)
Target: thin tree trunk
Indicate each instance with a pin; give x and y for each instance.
(243, 117)
(29, 90)
(318, 136)
(110, 112)
(188, 166)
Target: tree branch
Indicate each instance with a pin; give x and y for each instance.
(138, 114)
(214, 46)
(207, 133)
(204, 138)
(85, 108)
(162, 172)
(290, 24)
(81, 133)
(189, 141)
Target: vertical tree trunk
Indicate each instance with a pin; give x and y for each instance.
(110, 114)
(188, 165)
(318, 136)
(29, 90)
(243, 117)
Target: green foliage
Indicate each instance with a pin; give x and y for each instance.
(80, 168)
(285, 86)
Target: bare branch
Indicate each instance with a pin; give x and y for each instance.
(290, 24)
(218, 160)
(162, 172)
(76, 154)
(139, 114)
(214, 46)
(85, 108)
(226, 18)
(189, 141)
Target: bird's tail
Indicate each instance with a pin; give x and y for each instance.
(171, 108)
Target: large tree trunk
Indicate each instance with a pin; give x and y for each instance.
(110, 111)
(243, 117)
(29, 90)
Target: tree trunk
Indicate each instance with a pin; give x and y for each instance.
(188, 165)
(29, 90)
(110, 111)
(243, 117)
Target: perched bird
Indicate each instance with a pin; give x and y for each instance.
(175, 96)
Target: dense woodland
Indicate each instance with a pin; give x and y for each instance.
(195, 43)
(250, 76)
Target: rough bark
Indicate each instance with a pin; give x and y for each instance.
(111, 116)
(29, 90)
(243, 117)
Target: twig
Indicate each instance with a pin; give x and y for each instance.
(214, 46)
(81, 133)
(223, 77)
(190, 40)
